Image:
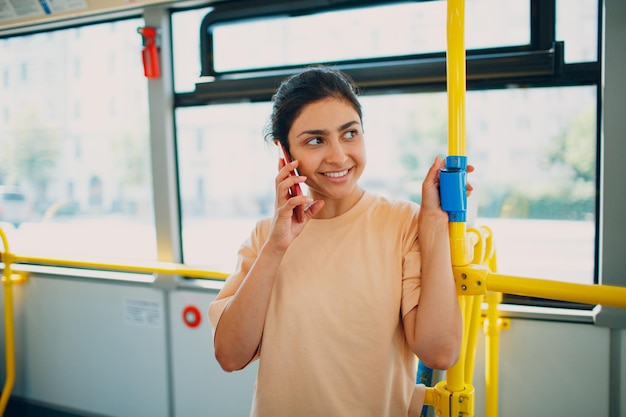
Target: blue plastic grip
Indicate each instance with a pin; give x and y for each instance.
(453, 188)
(424, 376)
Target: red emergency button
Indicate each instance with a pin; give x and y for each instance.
(192, 316)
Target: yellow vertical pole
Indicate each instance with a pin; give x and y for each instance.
(8, 325)
(472, 337)
(480, 252)
(492, 348)
(456, 77)
(492, 327)
(455, 62)
(456, 80)
(9, 341)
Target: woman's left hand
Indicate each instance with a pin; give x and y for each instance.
(430, 186)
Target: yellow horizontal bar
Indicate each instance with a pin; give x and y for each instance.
(146, 268)
(606, 295)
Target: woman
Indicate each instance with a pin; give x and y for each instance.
(336, 302)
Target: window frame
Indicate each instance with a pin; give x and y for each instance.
(540, 63)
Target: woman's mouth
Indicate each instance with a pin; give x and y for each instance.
(337, 174)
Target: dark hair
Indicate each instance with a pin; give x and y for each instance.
(308, 86)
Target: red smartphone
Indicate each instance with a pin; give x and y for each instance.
(295, 189)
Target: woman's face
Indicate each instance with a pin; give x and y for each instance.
(327, 140)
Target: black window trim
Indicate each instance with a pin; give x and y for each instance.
(540, 63)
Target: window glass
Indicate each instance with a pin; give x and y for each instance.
(418, 27)
(533, 149)
(577, 26)
(226, 181)
(74, 143)
(186, 48)
(535, 157)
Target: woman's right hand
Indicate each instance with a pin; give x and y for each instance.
(287, 224)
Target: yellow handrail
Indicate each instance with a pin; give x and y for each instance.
(478, 279)
(145, 268)
(607, 295)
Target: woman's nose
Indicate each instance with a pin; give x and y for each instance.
(336, 153)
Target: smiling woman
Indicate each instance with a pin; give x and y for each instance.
(292, 269)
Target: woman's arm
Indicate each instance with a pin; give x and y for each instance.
(240, 327)
(434, 328)
(239, 331)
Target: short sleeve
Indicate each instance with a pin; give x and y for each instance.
(216, 308)
(411, 262)
(246, 256)
(411, 280)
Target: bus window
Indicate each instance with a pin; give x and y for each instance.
(532, 137)
(75, 140)
(534, 152)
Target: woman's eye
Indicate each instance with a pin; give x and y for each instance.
(314, 141)
(350, 134)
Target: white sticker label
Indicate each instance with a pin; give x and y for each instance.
(19, 9)
(57, 6)
(143, 312)
(15, 9)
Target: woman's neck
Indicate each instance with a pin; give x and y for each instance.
(337, 207)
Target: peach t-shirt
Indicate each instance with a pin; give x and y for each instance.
(333, 343)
